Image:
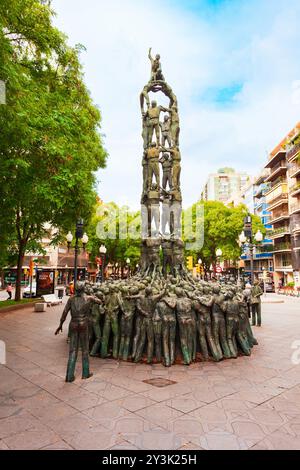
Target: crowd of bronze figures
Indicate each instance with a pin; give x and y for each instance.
(168, 320)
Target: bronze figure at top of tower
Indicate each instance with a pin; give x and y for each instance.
(156, 83)
(156, 73)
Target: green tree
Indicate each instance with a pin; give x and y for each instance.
(119, 242)
(50, 146)
(221, 226)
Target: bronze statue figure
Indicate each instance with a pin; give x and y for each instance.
(79, 306)
(165, 128)
(156, 73)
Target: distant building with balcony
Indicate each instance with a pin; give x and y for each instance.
(283, 199)
(226, 186)
(254, 197)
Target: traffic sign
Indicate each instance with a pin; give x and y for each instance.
(218, 269)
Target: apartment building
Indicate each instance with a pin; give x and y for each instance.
(283, 199)
(225, 186)
(254, 197)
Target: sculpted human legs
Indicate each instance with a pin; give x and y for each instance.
(97, 332)
(73, 352)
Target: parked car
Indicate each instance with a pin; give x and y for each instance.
(270, 287)
(26, 291)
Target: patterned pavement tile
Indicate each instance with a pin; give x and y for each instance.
(107, 414)
(3, 446)
(185, 403)
(189, 428)
(280, 440)
(123, 445)
(130, 384)
(135, 402)
(16, 424)
(157, 439)
(159, 414)
(190, 446)
(53, 412)
(212, 416)
(96, 439)
(34, 438)
(222, 440)
(71, 424)
(59, 445)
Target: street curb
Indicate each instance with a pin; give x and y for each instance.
(17, 307)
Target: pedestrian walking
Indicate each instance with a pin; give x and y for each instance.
(71, 288)
(9, 291)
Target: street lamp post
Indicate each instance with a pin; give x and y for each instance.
(200, 263)
(247, 234)
(128, 266)
(102, 251)
(79, 235)
(219, 253)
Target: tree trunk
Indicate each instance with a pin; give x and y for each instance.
(19, 270)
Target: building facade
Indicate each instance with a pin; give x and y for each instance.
(254, 197)
(225, 186)
(283, 199)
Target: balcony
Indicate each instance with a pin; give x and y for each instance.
(278, 217)
(286, 269)
(296, 228)
(279, 232)
(277, 170)
(277, 194)
(282, 247)
(279, 155)
(295, 189)
(275, 183)
(294, 208)
(294, 170)
(293, 153)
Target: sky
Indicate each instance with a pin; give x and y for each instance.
(233, 64)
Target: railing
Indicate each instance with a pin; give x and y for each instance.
(279, 180)
(282, 195)
(291, 153)
(282, 246)
(281, 164)
(282, 267)
(262, 189)
(294, 207)
(278, 231)
(296, 228)
(294, 168)
(295, 187)
(277, 215)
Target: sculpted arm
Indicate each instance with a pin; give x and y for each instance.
(64, 316)
(141, 310)
(157, 297)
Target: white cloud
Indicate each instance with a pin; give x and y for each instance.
(247, 42)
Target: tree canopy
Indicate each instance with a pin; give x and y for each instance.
(50, 146)
(221, 227)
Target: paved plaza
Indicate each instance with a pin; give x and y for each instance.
(244, 403)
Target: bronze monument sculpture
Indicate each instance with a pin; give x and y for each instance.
(161, 314)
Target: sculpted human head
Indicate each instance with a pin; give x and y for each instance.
(148, 291)
(79, 289)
